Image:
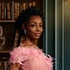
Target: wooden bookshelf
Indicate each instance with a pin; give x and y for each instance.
(5, 51)
(9, 11)
(7, 21)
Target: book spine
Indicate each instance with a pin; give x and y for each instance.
(5, 10)
(23, 6)
(16, 10)
(0, 10)
(8, 9)
(30, 4)
(33, 3)
(12, 9)
(4, 65)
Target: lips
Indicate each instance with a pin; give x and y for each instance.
(37, 34)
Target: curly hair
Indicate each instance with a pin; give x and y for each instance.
(25, 15)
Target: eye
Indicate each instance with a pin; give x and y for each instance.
(32, 25)
(41, 25)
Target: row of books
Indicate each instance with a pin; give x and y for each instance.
(11, 10)
(4, 65)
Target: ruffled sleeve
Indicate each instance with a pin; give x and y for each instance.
(49, 61)
(18, 55)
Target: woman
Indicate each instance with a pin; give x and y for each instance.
(27, 56)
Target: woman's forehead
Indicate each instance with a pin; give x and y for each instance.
(33, 18)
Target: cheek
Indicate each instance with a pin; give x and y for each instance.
(32, 29)
(41, 29)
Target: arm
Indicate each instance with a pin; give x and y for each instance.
(14, 66)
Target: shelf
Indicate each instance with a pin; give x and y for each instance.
(4, 51)
(1, 21)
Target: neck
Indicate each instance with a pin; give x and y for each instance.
(28, 41)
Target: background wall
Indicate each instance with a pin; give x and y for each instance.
(57, 32)
(67, 35)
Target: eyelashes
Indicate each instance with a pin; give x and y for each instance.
(34, 25)
(41, 26)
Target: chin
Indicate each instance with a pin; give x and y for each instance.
(37, 37)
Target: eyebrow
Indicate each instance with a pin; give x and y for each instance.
(34, 22)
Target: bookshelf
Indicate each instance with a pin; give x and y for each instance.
(7, 21)
(9, 11)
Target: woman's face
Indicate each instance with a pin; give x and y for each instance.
(34, 27)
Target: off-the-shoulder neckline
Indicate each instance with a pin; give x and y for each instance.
(30, 47)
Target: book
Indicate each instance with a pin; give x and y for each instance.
(12, 10)
(3, 10)
(18, 9)
(15, 10)
(4, 65)
(30, 4)
(23, 6)
(8, 10)
(0, 10)
(33, 3)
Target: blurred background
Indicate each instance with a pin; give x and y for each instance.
(58, 32)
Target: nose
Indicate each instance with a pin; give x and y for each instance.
(38, 28)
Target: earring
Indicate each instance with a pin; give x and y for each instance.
(25, 32)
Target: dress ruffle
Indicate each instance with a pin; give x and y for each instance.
(21, 54)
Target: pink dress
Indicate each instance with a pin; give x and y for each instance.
(31, 59)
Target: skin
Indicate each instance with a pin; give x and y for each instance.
(34, 30)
